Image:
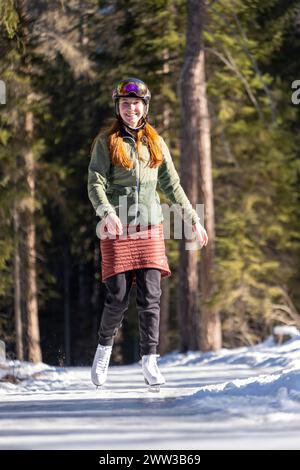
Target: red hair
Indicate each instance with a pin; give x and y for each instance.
(118, 155)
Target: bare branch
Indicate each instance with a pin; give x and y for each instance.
(229, 62)
(242, 40)
(255, 64)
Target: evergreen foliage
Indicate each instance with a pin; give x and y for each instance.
(77, 51)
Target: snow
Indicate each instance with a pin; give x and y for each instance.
(286, 330)
(245, 398)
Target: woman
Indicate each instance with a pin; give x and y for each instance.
(127, 163)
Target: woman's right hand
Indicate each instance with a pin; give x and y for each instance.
(113, 224)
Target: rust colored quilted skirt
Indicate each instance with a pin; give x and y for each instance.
(138, 247)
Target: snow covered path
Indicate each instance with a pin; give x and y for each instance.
(236, 399)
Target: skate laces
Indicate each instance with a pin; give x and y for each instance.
(103, 359)
(155, 364)
(152, 360)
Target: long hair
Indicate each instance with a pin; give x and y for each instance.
(147, 135)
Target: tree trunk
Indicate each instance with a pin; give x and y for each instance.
(166, 108)
(188, 307)
(188, 272)
(196, 146)
(83, 318)
(67, 326)
(33, 332)
(17, 288)
(211, 333)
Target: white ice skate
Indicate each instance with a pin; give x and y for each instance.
(100, 365)
(152, 375)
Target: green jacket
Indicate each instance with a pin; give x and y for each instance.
(112, 188)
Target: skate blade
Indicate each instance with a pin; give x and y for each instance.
(100, 387)
(152, 388)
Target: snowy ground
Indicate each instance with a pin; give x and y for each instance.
(247, 398)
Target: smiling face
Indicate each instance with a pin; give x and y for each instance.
(131, 110)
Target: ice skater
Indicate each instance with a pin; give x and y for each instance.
(127, 163)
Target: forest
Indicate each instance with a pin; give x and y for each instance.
(224, 77)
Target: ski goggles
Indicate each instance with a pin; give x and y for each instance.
(139, 89)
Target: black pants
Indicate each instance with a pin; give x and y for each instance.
(148, 307)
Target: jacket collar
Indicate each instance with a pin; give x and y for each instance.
(126, 133)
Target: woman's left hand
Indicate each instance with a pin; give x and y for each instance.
(201, 234)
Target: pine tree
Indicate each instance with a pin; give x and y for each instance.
(254, 155)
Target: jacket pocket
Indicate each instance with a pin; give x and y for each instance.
(117, 195)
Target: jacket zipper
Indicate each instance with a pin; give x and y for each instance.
(138, 169)
(138, 179)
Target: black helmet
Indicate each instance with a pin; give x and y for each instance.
(132, 87)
